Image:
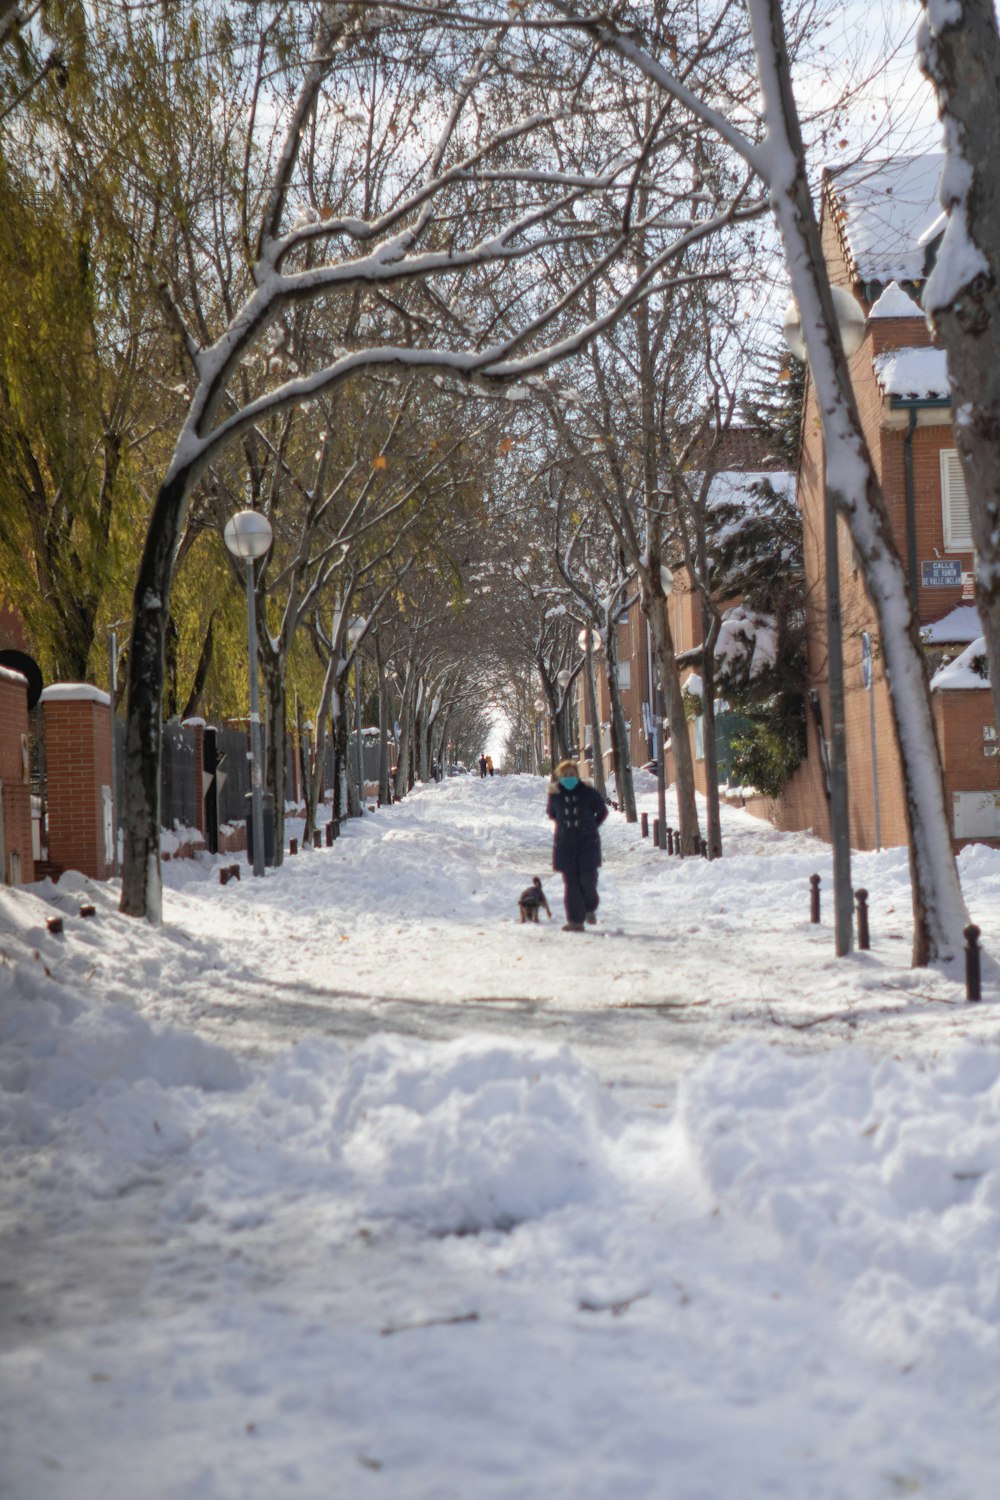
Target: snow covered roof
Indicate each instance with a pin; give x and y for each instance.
(895, 303)
(960, 626)
(918, 374)
(962, 673)
(883, 210)
(735, 486)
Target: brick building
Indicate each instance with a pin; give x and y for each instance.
(880, 226)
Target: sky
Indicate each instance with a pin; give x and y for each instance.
(346, 1182)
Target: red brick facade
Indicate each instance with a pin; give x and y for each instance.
(16, 861)
(78, 773)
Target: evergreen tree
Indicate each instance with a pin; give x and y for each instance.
(773, 407)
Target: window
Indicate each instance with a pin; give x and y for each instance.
(625, 675)
(954, 503)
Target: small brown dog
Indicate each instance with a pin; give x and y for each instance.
(530, 900)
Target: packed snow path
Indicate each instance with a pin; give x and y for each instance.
(345, 1183)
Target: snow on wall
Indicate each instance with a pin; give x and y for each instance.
(914, 373)
(74, 692)
(961, 674)
(959, 625)
(884, 209)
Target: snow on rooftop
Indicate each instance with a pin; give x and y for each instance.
(961, 625)
(915, 373)
(895, 303)
(968, 671)
(884, 209)
(736, 486)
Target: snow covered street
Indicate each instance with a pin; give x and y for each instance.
(346, 1183)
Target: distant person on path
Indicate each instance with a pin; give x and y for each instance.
(482, 765)
(578, 812)
(489, 764)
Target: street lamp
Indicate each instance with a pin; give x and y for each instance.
(851, 323)
(590, 643)
(248, 535)
(354, 633)
(538, 737)
(659, 750)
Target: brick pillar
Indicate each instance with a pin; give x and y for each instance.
(78, 777)
(17, 865)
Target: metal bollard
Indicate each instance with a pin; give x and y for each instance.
(656, 832)
(644, 825)
(293, 846)
(317, 839)
(329, 834)
(88, 911)
(973, 977)
(54, 924)
(670, 841)
(814, 898)
(334, 827)
(864, 938)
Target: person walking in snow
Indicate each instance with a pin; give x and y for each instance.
(482, 766)
(578, 812)
(489, 764)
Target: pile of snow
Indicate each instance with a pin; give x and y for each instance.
(344, 1182)
(969, 670)
(885, 1179)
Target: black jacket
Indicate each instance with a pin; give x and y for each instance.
(577, 815)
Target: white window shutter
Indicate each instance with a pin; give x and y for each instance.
(955, 503)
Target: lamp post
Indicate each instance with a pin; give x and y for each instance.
(590, 644)
(659, 750)
(563, 679)
(537, 740)
(248, 535)
(851, 323)
(354, 633)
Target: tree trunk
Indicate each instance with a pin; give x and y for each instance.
(939, 912)
(709, 632)
(142, 892)
(960, 53)
(654, 606)
(274, 688)
(624, 789)
(383, 725)
(403, 749)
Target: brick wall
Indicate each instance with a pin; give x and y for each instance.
(15, 792)
(78, 765)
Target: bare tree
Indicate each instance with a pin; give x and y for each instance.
(778, 159)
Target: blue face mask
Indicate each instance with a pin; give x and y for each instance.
(569, 782)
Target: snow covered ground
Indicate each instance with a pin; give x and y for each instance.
(346, 1184)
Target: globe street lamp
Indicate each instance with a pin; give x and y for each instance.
(563, 679)
(851, 322)
(355, 631)
(248, 535)
(590, 643)
(538, 735)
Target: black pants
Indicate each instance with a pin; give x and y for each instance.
(579, 893)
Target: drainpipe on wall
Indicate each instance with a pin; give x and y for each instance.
(913, 406)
